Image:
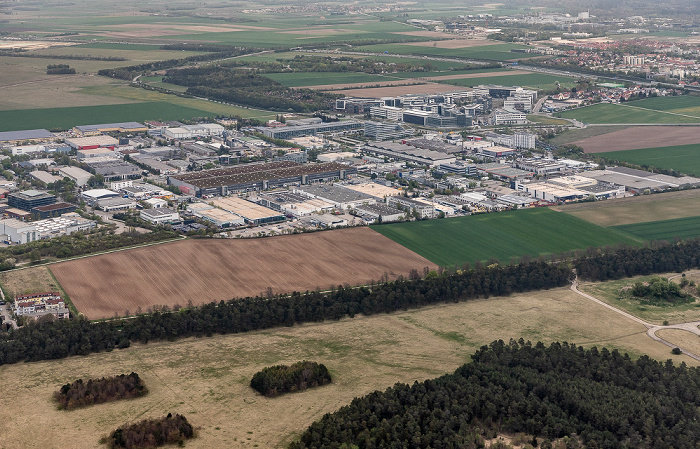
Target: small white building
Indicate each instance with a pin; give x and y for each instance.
(118, 185)
(93, 196)
(160, 216)
(156, 203)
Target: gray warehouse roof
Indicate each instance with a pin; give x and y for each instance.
(335, 194)
(97, 128)
(25, 135)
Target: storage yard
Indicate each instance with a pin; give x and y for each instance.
(203, 271)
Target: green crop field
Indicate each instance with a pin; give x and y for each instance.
(677, 228)
(496, 52)
(503, 236)
(684, 104)
(532, 80)
(614, 113)
(66, 118)
(683, 158)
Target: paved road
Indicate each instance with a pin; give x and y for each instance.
(691, 326)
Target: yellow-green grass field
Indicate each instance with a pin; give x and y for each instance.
(207, 379)
(638, 209)
(610, 293)
(625, 114)
(684, 339)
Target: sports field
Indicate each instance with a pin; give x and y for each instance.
(638, 209)
(682, 158)
(677, 228)
(203, 271)
(208, 379)
(624, 114)
(503, 236)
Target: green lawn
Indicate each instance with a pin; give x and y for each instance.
(503, 236)
(66, 118)
(614, 113)
(683, 158)
(677, 228)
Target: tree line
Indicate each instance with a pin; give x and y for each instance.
(54, 339)
(248, 89)
(279, 379)
(96, 391)
(151, 433)
(600, 398)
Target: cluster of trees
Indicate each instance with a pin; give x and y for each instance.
(96, 391)
(54, 339)
(130, 72)
(59, 69)
(658, 289)
(275, 380)
(28, 54)
(248, 89)
(634, 261)
(77, 244)
(151, 433)
(602, 398)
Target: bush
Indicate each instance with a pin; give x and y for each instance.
(676, 351)
(280, 379)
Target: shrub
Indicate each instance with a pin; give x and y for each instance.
(280, 379)
(96, 391)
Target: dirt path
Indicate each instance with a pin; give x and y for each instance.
(691, 326)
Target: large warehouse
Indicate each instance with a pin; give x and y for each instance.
(253, 177)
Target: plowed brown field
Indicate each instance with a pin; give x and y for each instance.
(212, 270)
(638, 137)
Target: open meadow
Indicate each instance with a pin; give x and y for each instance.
(207, 379)
(503, 236)
(604, 113)
(202, 271)
(527, 80)
(638, 209)
(682, 158)
(669, 230)
(682, 104)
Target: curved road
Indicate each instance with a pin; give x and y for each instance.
(691, 326)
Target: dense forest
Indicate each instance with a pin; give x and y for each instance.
(96, 391)
(151, 433)
(248, 89)
(279, 379)
(602, 398)
(50, 339)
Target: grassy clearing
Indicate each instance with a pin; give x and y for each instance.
(30, 280)
(615, 113)
(533, 80)
(609, 292)
(208, 379)
(574, 135)
(502, 236)
(638, 209)
(546, 120)
(683, 158)
(684, 339)
(677, 228)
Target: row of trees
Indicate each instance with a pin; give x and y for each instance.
(601, 398)
(151, 433)
(247, 89)
(50, 339)
(96, 391)
(279, 379)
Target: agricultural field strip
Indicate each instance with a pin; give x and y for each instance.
(682, 158)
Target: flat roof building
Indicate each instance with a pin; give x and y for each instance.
(29, 134)
(52, 210)
(93, 196)
(294, 204)
(380, 213)
(340, 197)
(29, 199)
(80, 176)
(252, 213)
(402, 152)
(115, 204)
(219, 217)
(90, 143)
(15, 231)
(374, 189)
(162, 215)
(125, 127)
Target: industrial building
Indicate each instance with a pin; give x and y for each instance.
(541, 166)
(374, 189)
(125, 127)
(15, 231)
(115, 204)
(311, 129)
(44, 176)
(402, 152)
(254, 177)
(218, 217)
(252, 213)
(29, 199)
(339, 197)
(162, 215)
(459, 169)
(192, 131)
(65, 224)
(93, 142)
(411, 204)
(114, 170)
(52, 210)
(294, 204)
(15, 137)
(507, 117)
(379, 213)
(80, 176)
(91, 197)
